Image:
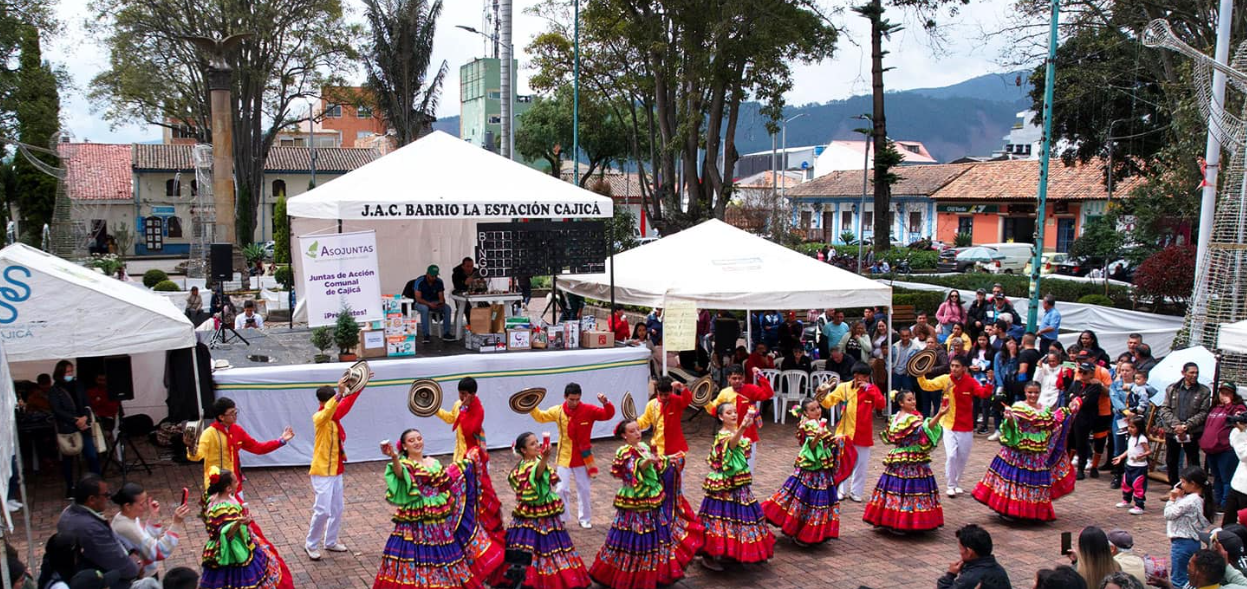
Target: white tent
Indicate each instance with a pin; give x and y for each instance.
(718, 266)
(51, 308)
(425, 199)
(1233, 337)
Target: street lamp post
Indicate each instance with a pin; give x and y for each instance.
(1032, 312)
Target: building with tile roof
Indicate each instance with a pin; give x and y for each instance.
(830, 205)
(624, 188)
(995, 201)
(100, 187)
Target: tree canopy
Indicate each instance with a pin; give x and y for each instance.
(397, 63)
(37, 107)
(545, 132)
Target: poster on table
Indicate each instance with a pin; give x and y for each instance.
(340, 270)
(679, 325)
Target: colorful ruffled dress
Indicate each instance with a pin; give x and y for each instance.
(437, 539)
(232, 558)
(1018, 482)
(907, 498)
(1058, 462)
(537, 529)
(807, 508)
(650, 542)
(735, 527)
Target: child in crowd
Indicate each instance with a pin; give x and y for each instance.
(1188, 512)
(1134, 482)
(1140, 395)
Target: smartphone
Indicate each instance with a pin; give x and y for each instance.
(186, 493)
(1067, 545)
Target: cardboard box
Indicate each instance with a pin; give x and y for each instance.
(400, 345)
(519, 339)
(479, 319)
(597, 339)
(497, 318)
(372, 344)
(392, 304)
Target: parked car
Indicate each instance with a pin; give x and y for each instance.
(268, 249)
(1050, 260)
(948, 261)
(1079, 266)
(1016, 255)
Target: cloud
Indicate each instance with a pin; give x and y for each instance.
(915, 64)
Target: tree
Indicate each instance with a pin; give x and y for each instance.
(603, 137)
(397, 63)
(677, 72)
(281, 232)
(1100, 238)
(298, 48)
(15, 16)
(37, 106)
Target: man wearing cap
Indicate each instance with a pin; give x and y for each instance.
(977, 314)
(1120, 543)
(1182, 415)
(328, 466)
(429, 293)
(959, 389)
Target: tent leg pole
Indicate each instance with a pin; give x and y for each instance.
(199, 395)
(748, 330)
(889, 348)
(21, 488)
(4, 561)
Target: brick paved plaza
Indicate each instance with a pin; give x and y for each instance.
(281, 498)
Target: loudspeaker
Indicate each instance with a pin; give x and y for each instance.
(221, 261)
(117, 371)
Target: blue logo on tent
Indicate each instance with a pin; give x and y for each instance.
(18, 292)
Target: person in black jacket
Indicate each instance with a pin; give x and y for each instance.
(977, 314)
(977, 568)
(70, 411)
(1087, 388)
(83, 524)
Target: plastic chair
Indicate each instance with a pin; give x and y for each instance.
(817, 378)
(819, 365)
(793, 384)
(771, 375)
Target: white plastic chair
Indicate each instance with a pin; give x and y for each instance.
(819, 365)
(771, 375)
(793, 384)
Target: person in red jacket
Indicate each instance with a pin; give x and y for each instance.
(861, 399)
(744, 396)
(662, 415)
(619, 325)
(575, 457)
(960, 389)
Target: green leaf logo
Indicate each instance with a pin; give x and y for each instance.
(311, 250)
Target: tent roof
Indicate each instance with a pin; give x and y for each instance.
(53, 309)
(442, 177)
(721, 267)
(1233, 337)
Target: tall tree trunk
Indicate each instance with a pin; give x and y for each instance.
(883, 191)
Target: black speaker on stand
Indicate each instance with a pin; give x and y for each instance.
(221, 261)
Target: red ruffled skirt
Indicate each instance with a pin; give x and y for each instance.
(735, 527)
(1018, 484)
(906, 499)
(1063, 476)
(806, 508)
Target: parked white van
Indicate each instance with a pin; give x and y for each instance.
(1016, 256)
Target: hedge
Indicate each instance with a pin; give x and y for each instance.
(921, 300)
(153, 277)
(1096, 299)
(166, 286)
(1069, 291)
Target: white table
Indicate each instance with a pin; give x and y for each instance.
(471, 300)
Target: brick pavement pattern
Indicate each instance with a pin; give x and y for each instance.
(280, 499)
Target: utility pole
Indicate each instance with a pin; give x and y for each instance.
(508, 82)
(1212, 149)
(576, 99)
(1032, 312)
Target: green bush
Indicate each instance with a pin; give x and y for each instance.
(153, 277)
(165, 286)
(346, 331)
(1096, 299)
(963, 240)
(918, 259)
(922, 300)
(322, 338)
(539, 282)
(284, 275)
(810, 249)
(1019, 287)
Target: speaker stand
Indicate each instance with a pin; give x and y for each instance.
(222, 336)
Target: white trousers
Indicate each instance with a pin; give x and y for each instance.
(583, 494)
(753, 456)
(857, 483)
(957, 448)
(326, 512)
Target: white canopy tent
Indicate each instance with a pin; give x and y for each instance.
(53, 309)
(425, 199)
(1233, 337)
(718, 266)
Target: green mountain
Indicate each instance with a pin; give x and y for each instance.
(967, 118)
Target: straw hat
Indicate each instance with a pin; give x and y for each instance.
(703, 391)
(424, 397)
(527, 400)
(921, 363)
(357, 377)
(628, 407)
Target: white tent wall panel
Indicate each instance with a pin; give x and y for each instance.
(147, 369)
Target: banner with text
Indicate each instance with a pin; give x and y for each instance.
(679, 326)
(340, 270)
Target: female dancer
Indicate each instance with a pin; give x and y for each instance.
(907, 498)
(232, 559)
(735, 527)
(1018, 483)
(437, 541)
(536, 527)
(1063, 475)
(806, 508)
(648, 544)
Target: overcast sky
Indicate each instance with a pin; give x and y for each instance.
(966, 54)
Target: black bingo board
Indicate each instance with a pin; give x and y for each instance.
(540, 248)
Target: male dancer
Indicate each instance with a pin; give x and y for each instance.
(960, 389)
(663, 413)
(575, 420)
(744, 396)
(467, 419)
(328, 465)
(861, 399)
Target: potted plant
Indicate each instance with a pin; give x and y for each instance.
(322, 338)
(346, 335)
